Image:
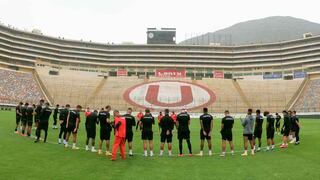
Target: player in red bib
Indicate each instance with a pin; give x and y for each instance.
(160, 116)
(139, 117)
(174, 116)
(87, 112)
(120, 136)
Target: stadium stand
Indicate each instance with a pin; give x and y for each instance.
(18, 86)
(309, 100)
(272, 95)
(69, 87)
(89, 89)
(22, 49)
(87, 72)
(227, 96)
(111, 93)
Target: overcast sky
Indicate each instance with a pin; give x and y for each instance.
(127, 20)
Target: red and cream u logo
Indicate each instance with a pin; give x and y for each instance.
(169, 94)
(153, 94)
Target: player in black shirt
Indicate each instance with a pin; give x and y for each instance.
(72, 126)
(278, 124)
(91, 122)
(37, 113)
(87, 113)
(206, 124)
(30, 112)
(24, 119)
(130, 122)
(285, 129)
(292, 137)
(226, 133)
(34, 114)
(43, 122)
(183, 122)
(63, 114)
(55, 116)
(18, 117)
(167, 125)
(258, 130)
(146, 123)
(296, 127)
(270, 130)
(105, 129)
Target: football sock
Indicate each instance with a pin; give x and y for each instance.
(189, 146)
(180, 146)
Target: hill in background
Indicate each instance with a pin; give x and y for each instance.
(266, 30)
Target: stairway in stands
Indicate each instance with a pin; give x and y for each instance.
(241, 93)
(42, 87)
(96, 91)
(298, 93)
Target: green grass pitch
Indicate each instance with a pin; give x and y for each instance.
(21, 158)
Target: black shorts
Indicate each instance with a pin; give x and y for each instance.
(270, 133)
(183, 134)
(226, 135)
(24, 121)
(63, 127)
(18, 119)
(43, 126)
(91, 133)
(29, 123)
(63, 123)
(166, 138)
(291, 127)
(285, 132)
(257, 133)
(36, 118)
(250, 136)
(202, 136)
(129, 136)
(71, 128)
(278, 125)
(105, 134)
(147, 135)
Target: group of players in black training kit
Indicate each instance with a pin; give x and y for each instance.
(69, 120)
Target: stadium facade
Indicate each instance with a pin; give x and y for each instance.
(272, 76)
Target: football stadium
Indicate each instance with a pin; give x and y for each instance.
(67, 105)
(283, 75)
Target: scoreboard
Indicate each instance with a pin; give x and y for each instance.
(161, 36)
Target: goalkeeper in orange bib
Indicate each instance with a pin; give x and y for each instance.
(120, 136)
